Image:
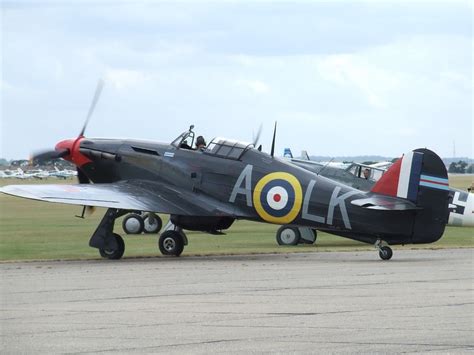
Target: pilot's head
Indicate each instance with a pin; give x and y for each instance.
(366, 173)
(200, 142)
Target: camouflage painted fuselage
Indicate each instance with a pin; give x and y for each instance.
(257, 187)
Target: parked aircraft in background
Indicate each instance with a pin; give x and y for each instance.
(62, 174)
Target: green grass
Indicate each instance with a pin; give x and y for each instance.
(461, 182)
(32, 230)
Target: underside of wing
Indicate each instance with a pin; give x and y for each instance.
(127, 195)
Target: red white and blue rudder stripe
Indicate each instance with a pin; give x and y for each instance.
(403, 178)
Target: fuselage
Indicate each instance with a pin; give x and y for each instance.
(260, 187)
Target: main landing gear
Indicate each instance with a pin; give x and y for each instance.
(385, 252)
(111, 246)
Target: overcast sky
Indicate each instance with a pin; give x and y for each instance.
(341, 78)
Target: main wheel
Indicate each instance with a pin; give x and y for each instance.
(133, 224)
(288, 235)
(114, 254)
(171, 243)
(385, 253)
(153, 224)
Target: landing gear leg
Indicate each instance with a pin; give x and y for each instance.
(385, 252)
(110, 245)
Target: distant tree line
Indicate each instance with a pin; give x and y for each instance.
(24, 163)
(461, 167)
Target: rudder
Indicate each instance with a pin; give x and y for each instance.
(433, 197)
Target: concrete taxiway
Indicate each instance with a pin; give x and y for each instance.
(420, 301)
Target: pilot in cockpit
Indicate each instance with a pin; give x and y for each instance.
(200, 143)
(366, 174)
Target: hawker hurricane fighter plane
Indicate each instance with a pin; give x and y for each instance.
(208, 189)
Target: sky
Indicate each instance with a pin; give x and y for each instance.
(340, 78)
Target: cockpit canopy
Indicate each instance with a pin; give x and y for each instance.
(219, 147)
(227, 148)
(185, 140)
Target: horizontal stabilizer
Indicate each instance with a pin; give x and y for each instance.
(378, 202)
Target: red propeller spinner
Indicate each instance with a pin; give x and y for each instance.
(72, 153)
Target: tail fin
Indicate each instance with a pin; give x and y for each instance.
(402, 178)
(287, 153)
(421, 177)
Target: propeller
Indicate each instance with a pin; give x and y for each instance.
(46, 155)
(83, 179)
(273, 141)
(95, 99)
(58, 153)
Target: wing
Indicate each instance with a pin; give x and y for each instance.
(128, 195)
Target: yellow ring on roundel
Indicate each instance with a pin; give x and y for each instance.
(290, 216)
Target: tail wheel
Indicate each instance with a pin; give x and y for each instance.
(385, 253)
(133, 224)
(288, 235)
(171, 243)
(114, 254)
(152, 223)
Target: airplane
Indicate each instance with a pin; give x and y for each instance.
(461, 203)
(62, 174)
(36, 174)
(207, 190)
(6, 174)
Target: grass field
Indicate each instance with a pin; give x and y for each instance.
(31, 230)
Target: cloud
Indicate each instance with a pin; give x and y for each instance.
(322, 68)
(354, 71)
(256, 86)
(123, 79)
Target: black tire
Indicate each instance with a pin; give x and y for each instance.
(288, 235)
(133, 224)
(114, 254)
(171, 243)
(149, 228)
(385, 253)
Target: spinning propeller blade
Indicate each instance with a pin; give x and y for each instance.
(95, 99)
(49, 155)
(83, 179)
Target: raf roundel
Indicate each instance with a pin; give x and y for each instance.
(278, 197)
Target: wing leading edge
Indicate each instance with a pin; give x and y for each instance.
(127, 195)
